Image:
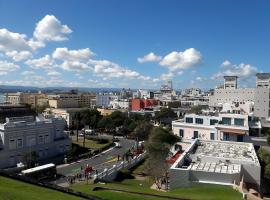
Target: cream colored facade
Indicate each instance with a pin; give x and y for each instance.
(228, 127)
(68, 100)
(33, 99)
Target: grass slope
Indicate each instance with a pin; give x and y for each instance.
(202, 192)
(15, 190)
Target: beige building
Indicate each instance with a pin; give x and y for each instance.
(68, 114)
(70, 100)
(33, 99)
(63, 103)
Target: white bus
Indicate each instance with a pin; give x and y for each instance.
(40, 172)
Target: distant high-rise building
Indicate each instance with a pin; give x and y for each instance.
(230, 82)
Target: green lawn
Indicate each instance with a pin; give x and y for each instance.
(15, 190)
(90, 144)
(202, 192)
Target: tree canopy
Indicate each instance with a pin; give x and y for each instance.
(165, 113)
(158, 147)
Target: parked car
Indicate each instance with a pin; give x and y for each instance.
(117, 145)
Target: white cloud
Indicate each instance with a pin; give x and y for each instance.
(77, 55)
(109, 69)
(10, 41)
(167, 76)
(242, 70)
(6, 67)
(19, 55)
(75, 66)
(45, 62)
(27, 73)
(226, 63)
(50, 29)
(181, 60)
(53, 73)
(151, 57)
(79, 76)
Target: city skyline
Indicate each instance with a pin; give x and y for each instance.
(194, 44)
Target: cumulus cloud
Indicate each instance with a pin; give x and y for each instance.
(151, 57)
(19, 55)
(242, 70)
(10, 41)
(75, 66)
(45, 62)
(167, 76)
(77, 55)
(50, 29)
(53, 73)
(226, 63)
(181, 60)
(109, 69)
(27, 73)
(6, 67)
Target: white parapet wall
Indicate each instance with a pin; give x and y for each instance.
(216, 162)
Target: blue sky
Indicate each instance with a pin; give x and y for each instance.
(136, 44)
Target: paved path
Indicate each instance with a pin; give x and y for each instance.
(99, 162)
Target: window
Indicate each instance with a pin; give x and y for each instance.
(31, 140)
(199, 121)
(213, 121)
(181, 133)
(195, 134)
(47, 139)
(226, 136)
(189, 120)
(40, 139)
(19, 143)
(12, 144)
(212, 136)
(226, 120)
(239, 122)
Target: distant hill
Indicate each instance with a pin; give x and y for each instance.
(7, 88)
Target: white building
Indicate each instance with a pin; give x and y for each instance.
(21, 135)
(225, 126)
(143, 94)
(103, 100)
(230, 93)
(216, 162)
(120, 104)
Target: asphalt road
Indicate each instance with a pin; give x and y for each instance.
(99, 162)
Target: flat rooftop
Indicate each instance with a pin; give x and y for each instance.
(228, 150)
(216, 167)
(217, 156)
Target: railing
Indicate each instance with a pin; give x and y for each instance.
(116, 168)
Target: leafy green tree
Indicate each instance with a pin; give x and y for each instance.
(174, 104)
(92, 117)
(118, 118)
(198, 109)
(30, 158)
(107, 123)
(266, 131)
(143, 130)
(267, 171)
(165, 113)
(158, 146)
(78, 119)
(264, 155)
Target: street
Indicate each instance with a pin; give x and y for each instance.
(99, 162)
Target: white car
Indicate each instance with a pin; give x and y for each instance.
(117, 145)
